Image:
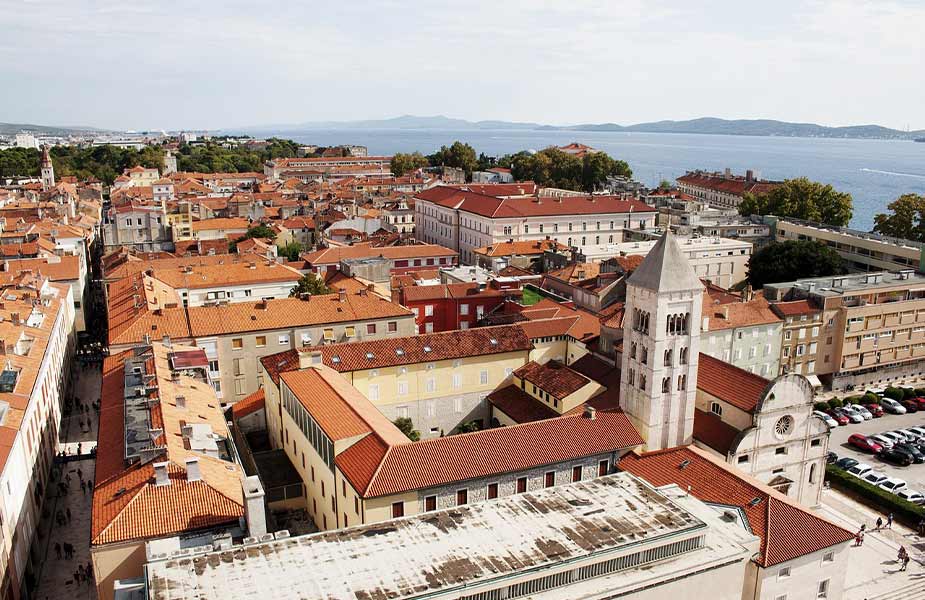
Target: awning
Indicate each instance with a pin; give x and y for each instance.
(814, 381)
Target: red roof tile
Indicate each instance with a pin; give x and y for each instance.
(553, 377)
(710, 429)
(249, 404)
(794, 309)
(519, 405)
(729, 383)
(786, 530)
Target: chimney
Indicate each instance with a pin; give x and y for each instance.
(254, 508)
(181, 402)
(192, 469)
(590, 412)
(160, 474)
(146, 339)
(166, 341)
(342, 295)
(15, 318)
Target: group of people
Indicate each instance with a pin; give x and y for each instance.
(902, 557)
(81, 408)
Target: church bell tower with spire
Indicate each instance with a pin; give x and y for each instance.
(48, 170)
(661, 345)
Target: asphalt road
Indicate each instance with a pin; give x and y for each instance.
(913, 475)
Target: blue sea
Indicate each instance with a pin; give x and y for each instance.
(874, 172)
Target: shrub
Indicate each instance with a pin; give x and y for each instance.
(871, 398)
(920, 392)
(908, 393)
(894, 393)
(835, 403)
(821, 406)
(876, 497)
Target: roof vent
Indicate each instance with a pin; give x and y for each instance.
(181, 402)
(335, 359)
(370, 356)
(428, 349)
(590, 412)
(684, 464)
(399, 352)
(192, 469)
(754, 501)
(161, 477)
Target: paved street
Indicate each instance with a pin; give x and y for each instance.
(914, 475)
(57, 576)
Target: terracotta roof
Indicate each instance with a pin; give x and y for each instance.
(230, 273)
(519, 405)
(338, 253)
(420, 293)
(249, 404)
(524, 248)
(428, 347)
(795, 309)
(729, 315)
(232, 223)
(59, 268)
(787, 531)
(584, 327)
(710, 429)
(736, 185)
(489, 452)
(729, 383)
(576, 272)
(553, 377)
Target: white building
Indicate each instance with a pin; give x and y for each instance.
(26, 140)
(463, 219)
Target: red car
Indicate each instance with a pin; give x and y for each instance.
(911, 406)
(859, 440)
(875, 409)
(919, 401)
(838, 416)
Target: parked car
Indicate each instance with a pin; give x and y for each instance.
(827, 419)
(877, 391)
(859, 440)
(911, 406)
(842, 419)
(893, 484)
(892, 406)
(913, 449)
(920, 401)
(875, 478)
(919, 431)
(881, 439)
(875, 409)
(831, 458)
(853, 415)
(846, 463)
(894, 437)
(862, 410)
(897, 456)
(905, 437)
(911, 496)
(860, 469)
(911, 435)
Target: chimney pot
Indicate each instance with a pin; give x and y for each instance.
(160, 474)
(342, 295)
(590, 412)
(192, 469)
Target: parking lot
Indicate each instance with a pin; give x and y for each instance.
(913, 475)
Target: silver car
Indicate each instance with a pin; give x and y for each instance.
(882, 440)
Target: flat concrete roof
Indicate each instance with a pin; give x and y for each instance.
(438, 552)
(837, 285)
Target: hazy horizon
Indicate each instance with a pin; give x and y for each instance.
(228, 65)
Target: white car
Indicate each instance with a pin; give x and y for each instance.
(881, 439)
(892, 406)
(919, 431)
(853, 415)
(910, 435)
(875, 478)
(863, 411)
(911, 496)
(894, 437)
(826, 418)
(906, 437)
(860, 470)
(892, 484)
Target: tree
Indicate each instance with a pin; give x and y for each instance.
(310, 284)
(291, 251)
(664, 185)
(260, 231)
(784, 261)
(906, 219)
(459, 155)
(405, 425)
(802, 199)
(405, 163)
(554, 168)
(467, 427)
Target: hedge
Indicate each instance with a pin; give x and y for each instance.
(877, 498)
(870, 398)
(920, 392)
(894, 392)
(823, 406)
(908, 393)
(835, 403)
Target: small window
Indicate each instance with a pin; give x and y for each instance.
(783, 573)
(462, 497)
(602, 468)
(284, 339)
(329, 334)
(430, 503)
(237, 343)
(828, 557)
(350, 331)
(483, 377)
(521, 485)
(781, 450)
(816, 442)
(576, 473)
(550, 479)
(716, 409)
(743, 459)
(398, 509)
(370, 329)
(393, 326)
(823, 589)
(260, 341)
(492, 491)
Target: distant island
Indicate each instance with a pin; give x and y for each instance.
(14, 128)
(705, 125)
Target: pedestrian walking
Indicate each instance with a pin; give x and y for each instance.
(857, 539)
(862, 539)
(905, 563)
(79, 445)
(863, 527)
(922, 527)
(68, 510)
(80, 474)
(76, 577)
(90, 484)
(889, 521)
(58, 550)
(83, 487)
(879, 523)
(89, 572)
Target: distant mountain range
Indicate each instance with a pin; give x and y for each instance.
(14, 128)
(705, 125)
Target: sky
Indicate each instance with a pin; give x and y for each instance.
(213, 64)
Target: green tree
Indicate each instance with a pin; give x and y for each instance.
(802, 199)
(784, 261)
(665, 185)
(405, 425)
(291, 251)
(554, 168)
(310, 284)
(405, 163)
(596, 167)
(905, 220)
(467, 427)
(260, 231)
(459, 155)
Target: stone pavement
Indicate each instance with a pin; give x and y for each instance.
(873, 572)
(57, 576)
